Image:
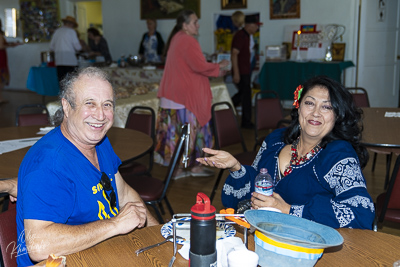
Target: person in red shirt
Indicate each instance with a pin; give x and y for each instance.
(242, 45)
(185, 95)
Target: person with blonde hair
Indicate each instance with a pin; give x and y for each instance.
(238, 19)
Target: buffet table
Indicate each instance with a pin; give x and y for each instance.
(126, 77)
(284, 76)
(43, 80)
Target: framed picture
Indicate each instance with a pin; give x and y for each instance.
(305, 40)
(154, 9)
(338, 50)
(288, 9)
(233, 4)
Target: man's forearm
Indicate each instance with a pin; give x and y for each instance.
(44, 238)
(9, 186)
(128, 194)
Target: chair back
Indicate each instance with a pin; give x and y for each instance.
(32, 114)
(392, 197)
(8, 237)
(360, 96)
(142, 119)
(225, 126)
(269, 110)
(174, 162)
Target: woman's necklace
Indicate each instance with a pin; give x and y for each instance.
(295, 160)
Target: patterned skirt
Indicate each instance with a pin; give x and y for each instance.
(168, 130)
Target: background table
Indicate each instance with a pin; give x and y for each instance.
(381, 131)
(130, 76)
(126, 143)
(43, 80)
(283, 77)
(360, 248)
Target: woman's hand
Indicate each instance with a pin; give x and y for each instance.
(224, 63)
(274, 201)
(220, 159)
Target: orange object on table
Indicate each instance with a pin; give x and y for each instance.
(238, 220)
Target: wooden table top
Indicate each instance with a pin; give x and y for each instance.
(360, 248)
(380, 130)
(126, 143)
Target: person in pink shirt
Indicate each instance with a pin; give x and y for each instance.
(185, 95)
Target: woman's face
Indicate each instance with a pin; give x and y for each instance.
(151, 25)
(316, 115)
(192, 28)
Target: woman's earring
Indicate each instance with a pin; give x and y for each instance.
(299, 126)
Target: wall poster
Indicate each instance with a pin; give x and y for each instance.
(166, 9)
(39, 19)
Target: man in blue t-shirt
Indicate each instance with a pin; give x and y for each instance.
(70, 193)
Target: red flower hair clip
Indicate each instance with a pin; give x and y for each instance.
(297, 95)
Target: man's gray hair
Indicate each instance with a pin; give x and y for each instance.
(67, 89)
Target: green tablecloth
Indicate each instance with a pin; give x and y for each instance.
(284, 77)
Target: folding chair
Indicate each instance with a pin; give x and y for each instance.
(142, 119)
(153, 190)
(32, 114)
(227, 132)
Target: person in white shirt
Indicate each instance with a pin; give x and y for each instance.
(65, 44)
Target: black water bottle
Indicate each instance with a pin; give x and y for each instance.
(203, 252)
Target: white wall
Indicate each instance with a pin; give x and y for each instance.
(123, 29)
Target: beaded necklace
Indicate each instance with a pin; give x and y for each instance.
(295, 160)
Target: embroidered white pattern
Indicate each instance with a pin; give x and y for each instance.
(359, 200)
(344, 214)
(259, 154)
(345, 175)
(239, 193)
(239, 174)
(297, 210)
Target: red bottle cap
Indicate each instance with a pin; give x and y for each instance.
(203, 210)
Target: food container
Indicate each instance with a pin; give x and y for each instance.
(286, 240)
(47, 58)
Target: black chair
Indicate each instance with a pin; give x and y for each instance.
(142, 119)
(8, 237)
(268, 115)
(227, 132)
(388, 203)
(32, 114)
(360, 96)
(152, 190)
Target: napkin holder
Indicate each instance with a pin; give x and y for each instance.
(176, 218)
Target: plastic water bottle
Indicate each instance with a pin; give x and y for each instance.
(264, 183)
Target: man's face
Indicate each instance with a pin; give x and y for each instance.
(93, 115)
(253, 28)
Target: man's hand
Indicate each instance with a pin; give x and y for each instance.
(132, 215)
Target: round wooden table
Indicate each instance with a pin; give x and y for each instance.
(128, 144)
(360, 248)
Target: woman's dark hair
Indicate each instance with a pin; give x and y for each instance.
(94, 31)
(348, 124)
(183, 17)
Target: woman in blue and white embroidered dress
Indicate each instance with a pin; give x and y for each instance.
(316, 162)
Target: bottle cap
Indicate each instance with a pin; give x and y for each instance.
(203, 210)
